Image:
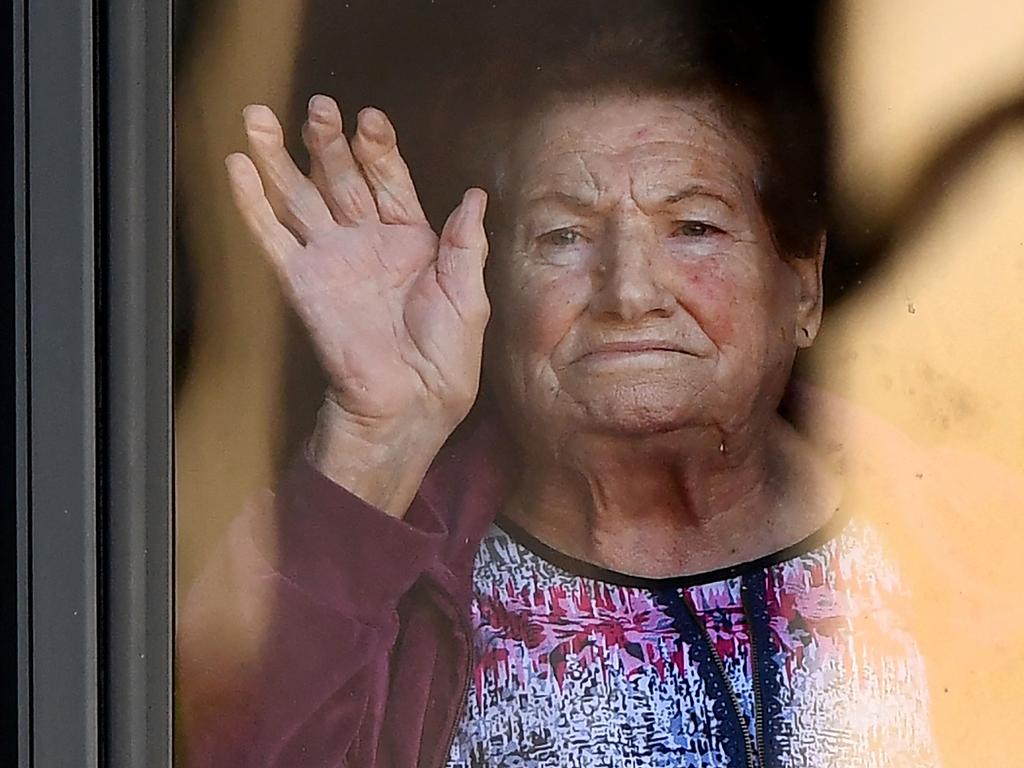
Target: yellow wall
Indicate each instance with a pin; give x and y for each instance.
(934, 343)
(228, 415)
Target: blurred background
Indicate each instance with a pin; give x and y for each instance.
(922, 353)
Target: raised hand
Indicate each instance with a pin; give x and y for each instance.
(396, 313)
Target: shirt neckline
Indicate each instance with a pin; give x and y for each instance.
(830, 530)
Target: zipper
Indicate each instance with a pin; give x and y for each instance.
(752, 754)
(755, 672)
(467, 630)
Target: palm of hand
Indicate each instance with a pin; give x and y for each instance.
(396, 314)
(384, 329)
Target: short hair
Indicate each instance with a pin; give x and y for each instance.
(548, 52)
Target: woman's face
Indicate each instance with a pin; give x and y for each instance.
(639, 289)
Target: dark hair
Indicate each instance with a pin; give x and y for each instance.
(727, 52)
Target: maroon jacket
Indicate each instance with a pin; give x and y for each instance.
(327, 633)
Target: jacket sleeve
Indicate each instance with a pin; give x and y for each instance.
(290, 625)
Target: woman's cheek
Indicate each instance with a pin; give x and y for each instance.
(554, 299)
(712, 297)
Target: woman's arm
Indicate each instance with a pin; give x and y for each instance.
(284, 639)
(284, 642)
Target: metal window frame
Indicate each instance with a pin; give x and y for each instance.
(92, 167)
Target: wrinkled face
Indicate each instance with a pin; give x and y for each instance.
(639, 289)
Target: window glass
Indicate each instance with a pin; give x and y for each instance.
(658, 197)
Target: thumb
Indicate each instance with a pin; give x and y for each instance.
(461, 255)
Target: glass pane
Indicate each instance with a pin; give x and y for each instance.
(616, 528)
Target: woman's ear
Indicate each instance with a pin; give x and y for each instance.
(808, 316)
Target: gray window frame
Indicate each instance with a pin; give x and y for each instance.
(93, 431)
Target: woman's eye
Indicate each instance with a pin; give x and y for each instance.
(561, 237)
(694, 229)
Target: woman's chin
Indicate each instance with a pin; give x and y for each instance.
(642, 416)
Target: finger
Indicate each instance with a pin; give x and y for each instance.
(461, 255)
(376, 149)
(251, 201)
(295, 199)
(332, 167)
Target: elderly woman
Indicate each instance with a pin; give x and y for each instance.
(631, 558)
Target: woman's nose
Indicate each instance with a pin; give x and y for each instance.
(627, 285)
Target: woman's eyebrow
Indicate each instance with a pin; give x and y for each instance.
(699, 190)
(562, 196)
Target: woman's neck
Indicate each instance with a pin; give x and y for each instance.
(675, 503)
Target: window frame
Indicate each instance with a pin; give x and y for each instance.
(93, 430)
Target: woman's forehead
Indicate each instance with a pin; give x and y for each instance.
(649, 143)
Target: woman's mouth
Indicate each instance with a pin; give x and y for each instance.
(637, 348)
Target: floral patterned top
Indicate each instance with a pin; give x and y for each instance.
(797, 659)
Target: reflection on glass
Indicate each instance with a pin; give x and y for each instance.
(545, 490)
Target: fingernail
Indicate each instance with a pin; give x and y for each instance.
(319, 108)
(476, 200)
(373, 124)
(258, 117)
(235, 165)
